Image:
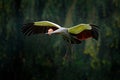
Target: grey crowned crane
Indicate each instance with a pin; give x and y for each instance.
(73, 35)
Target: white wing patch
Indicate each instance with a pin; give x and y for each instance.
(79, 28)
(46, 23)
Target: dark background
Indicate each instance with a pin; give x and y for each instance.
(41, 57)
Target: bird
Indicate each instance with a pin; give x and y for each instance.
(73, 35)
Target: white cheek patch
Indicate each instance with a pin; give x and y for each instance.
(50, 31)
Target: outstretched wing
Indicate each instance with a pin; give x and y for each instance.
(38, 27)
(84, 31)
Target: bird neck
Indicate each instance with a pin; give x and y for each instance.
(60, 31)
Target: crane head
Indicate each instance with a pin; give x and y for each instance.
(50, 31)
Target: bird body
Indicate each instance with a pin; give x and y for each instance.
(73, 34)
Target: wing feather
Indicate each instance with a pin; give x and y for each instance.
(79, 28)
(84, 31)
(84, 35)
(38, 27)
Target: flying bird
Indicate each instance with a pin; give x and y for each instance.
(73, 35)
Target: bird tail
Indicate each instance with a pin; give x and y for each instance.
(95, 31)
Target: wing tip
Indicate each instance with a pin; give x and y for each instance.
(95, 31)
(26, 29)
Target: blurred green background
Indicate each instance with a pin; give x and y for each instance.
(41, 57)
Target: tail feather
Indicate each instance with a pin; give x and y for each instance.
(95, 31)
